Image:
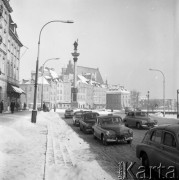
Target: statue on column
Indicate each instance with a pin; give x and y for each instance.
(75, 45)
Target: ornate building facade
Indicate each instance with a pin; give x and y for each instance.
(9, 56)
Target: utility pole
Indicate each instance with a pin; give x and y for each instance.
(148, 92)
(177, 103)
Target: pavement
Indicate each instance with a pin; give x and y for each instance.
(46, 150)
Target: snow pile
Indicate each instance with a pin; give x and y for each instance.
(78, 172)
(11, 140)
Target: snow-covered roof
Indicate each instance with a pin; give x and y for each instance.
(53, 74)
(41, 80)
(83, 79)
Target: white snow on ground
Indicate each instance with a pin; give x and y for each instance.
(23, 149)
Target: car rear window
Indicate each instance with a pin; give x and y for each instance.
(169, 140)
(78, 114)
(90, 116)
(156, 136)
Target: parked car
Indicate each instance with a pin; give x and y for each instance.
(127, 109)
(78, 115)
(110, 128)
(68, 113)
(160, 147)
(87, 121)
(139, 119)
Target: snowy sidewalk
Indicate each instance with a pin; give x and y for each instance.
(22, 147)
(68, 156)
(47, 150)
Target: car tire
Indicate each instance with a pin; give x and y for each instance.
(138, 125)
(103, 140)
(84, 129)
(145, 163)
(129, 142)
(94, 135)
(80, 128)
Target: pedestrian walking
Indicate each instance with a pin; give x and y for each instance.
(1, 106)
(25, 106)
(12, 105)
(17, 106)
(54, 108)
(44, 107)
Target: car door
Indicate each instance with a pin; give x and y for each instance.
(154, 147)
(129, 118)
(133, 119)
(170, 153)
(98, 128)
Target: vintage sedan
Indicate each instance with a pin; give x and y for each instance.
(78, 115)
(68, 113)
(139, 119)
(160, 148)
(110, 128)
(87, 121)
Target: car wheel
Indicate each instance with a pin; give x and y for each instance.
(84, 129)
(138, 125)
(94, 135)
(103, 140)
(129, 141)
(145, 163)
(80, 128)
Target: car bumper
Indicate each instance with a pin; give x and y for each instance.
(68, 115)
(119, 140)
(149, 126)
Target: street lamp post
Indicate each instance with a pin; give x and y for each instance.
(34, 111)
(177, 104)
(163, 88)
(43, 79)
(148, 103)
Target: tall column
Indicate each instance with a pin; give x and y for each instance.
(75, 55)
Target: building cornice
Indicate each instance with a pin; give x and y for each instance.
(15, 38)
(6, 3)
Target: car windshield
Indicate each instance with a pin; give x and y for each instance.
(111, 120)
(69, 110)
(90, 116)
(78, 114)
(141, 114)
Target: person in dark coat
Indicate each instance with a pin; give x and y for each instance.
(44, 107)
(12, 105)
(1, 106)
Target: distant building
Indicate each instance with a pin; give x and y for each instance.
(56, 92)
(117, 97)
(91, 91)
(63, 94)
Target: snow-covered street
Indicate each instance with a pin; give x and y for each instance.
(49, 149)
(54, 149)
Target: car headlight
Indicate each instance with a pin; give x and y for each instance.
(130, 131)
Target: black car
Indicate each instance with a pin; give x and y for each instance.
(160, 148)
(87, 121)
(68, 113)
(78, 115)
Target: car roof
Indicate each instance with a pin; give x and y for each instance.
(109, 115)
(169, 127)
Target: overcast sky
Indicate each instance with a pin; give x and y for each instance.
(123, 38)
